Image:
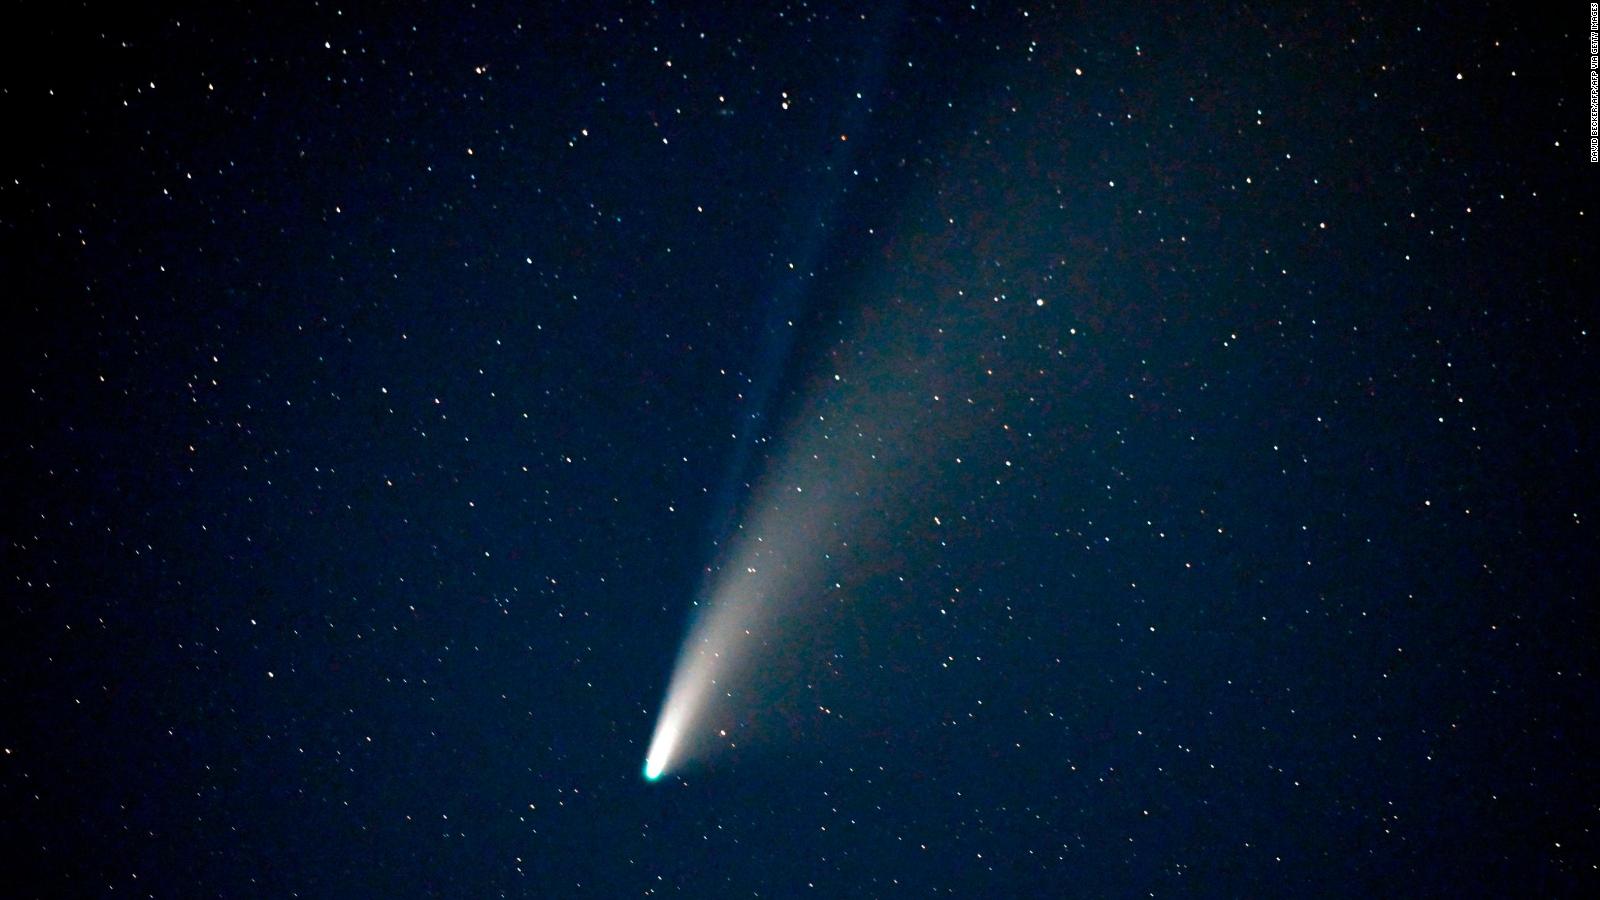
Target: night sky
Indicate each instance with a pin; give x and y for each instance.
(1166, 423)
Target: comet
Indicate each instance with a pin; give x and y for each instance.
(771, 562)
(854, 461)
(864, 453)
(718, 646)
(893, 414)
(661, 747)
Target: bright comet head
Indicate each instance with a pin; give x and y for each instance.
(661, 746)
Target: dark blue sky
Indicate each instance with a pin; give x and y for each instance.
(386, 381)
